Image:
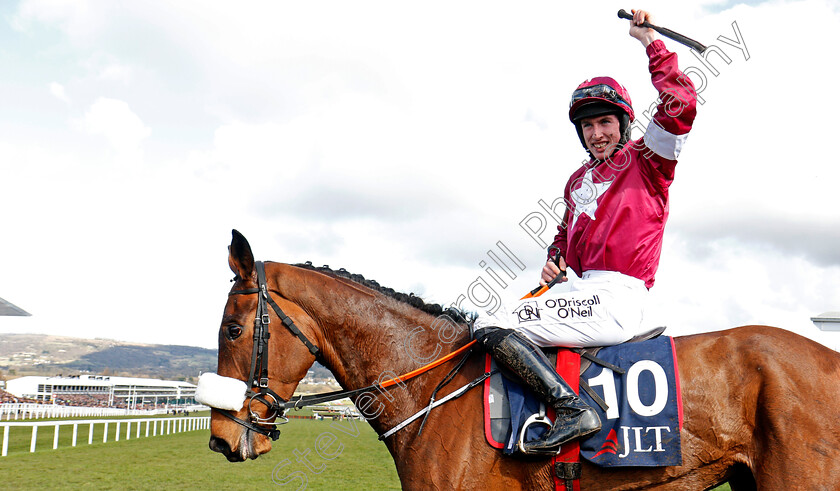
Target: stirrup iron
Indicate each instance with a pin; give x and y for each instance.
(535, 419)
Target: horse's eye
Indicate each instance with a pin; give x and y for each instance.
(233, 332)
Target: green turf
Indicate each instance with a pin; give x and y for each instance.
(184, 461)
(20, 437)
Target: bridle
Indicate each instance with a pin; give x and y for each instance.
(259, 391)
(258, 382)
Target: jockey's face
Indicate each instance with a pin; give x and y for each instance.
(601, 134)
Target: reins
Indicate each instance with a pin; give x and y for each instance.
(303, 401)
(279, 406)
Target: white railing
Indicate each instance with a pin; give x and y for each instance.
(25, 410)
(155, 426)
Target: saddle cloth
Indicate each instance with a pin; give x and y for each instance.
(642, 417)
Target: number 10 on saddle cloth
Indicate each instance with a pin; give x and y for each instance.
(643, 418)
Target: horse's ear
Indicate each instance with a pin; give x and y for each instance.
(240, 257)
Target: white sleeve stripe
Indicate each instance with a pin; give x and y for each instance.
(662, 143)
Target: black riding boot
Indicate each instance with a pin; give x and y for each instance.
(574, 418)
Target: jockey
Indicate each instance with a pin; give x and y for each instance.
(616, 209)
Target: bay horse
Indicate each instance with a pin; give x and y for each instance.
(759, 402)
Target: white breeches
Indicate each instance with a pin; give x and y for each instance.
(601, 309)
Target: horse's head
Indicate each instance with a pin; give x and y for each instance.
(252, 378)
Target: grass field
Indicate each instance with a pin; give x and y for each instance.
(183, 461)
(20, 437)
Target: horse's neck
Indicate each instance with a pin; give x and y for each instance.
(371, 339)
(378, 339)
(401, 345)
(368, 338)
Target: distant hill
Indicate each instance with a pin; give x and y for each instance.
(40, 354)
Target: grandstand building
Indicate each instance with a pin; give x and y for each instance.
(104, 390)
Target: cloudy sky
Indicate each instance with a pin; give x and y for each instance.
(400, 141)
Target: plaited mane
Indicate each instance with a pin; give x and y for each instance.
(407, 298)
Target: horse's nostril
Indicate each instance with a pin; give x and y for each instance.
(219, 445)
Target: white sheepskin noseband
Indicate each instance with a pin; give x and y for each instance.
(220, 392)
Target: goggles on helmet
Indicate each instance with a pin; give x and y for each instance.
(600, 91)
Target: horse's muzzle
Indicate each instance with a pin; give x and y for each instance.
(219, 445)
(245, 451)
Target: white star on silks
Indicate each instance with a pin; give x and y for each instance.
(586, 196)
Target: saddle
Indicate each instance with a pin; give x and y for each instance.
(504, 396)
(498, 385)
